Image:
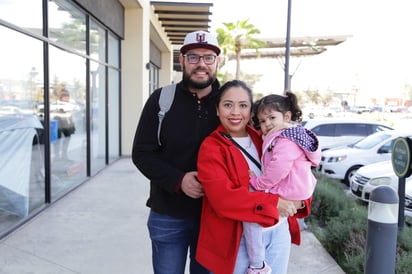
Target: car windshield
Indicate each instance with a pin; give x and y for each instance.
(371, 140)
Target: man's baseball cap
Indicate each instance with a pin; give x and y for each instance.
(200, 39)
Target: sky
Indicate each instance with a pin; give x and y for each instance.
(375, 60)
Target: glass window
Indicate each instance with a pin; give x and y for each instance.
(372, 140)
(98, 97)
(387, 147)
(21, 129)
(153, 77)
(325, 130)
(26, 14)
(97, 42)
(114, 98)
(22, 103)
(98, 116)
(351, 130)
(67, 25)
(114, 124)
(113, 51)
(377, 128)
(67, 116)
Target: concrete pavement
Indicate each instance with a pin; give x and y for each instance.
(100, 228)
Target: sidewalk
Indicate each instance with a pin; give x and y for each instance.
(100, 228)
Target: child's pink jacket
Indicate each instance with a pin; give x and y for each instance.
(287, 158)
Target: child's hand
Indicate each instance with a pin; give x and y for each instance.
(251, 173)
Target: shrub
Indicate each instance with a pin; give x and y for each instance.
(328, 201)
(340, 224)
(404, 254)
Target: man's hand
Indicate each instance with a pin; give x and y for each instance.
(191, 186)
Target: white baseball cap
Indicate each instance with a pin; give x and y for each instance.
(200, 39)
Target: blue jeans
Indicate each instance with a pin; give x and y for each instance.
(171, 238)
(277, 247)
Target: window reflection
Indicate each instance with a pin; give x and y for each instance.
(113, 97)
(97, 42)
(21, 132)
(22, 104)
(67, 25)
(114, 126)
(113, 51)
(26, 14)
(98, 116)
(67, 114)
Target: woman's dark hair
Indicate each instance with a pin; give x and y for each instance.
(231, 84)
(280, 103)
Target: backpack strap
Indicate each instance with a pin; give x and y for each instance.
(167, 95)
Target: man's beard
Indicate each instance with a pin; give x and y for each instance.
(197, 85)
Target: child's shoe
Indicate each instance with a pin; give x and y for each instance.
(264, 270)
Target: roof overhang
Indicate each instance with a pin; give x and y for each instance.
(180, 18)
(299, 47)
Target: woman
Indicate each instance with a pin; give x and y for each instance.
(223, 170)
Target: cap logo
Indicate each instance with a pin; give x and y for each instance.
(201, 38)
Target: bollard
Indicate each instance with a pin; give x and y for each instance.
(382, 231)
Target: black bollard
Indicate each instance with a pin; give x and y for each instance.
(382, 231)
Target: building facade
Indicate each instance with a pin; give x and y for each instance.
(74, 76)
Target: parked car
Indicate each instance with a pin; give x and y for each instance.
(61, 106)
(369, 177)
(338, 132)
(408, 201)
(361, 109)
(342, 162)
(9, 110)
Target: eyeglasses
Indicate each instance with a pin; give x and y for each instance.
(209, 59)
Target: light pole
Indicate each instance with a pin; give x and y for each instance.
(33, 74)
(287, 45)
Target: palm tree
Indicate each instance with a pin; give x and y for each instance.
(238, 36)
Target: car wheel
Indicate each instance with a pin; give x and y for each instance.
(349, 174)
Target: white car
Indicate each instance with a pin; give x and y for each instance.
(368, 177)
(61, 106)
(334, 132)
(408, 201)
(342, 162)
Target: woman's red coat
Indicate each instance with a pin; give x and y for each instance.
(223, 172)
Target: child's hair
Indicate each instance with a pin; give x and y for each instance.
(280, 103)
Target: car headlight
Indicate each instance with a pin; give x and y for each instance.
(380, 181)
(408, 203)
(335, 159)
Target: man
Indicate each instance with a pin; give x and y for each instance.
(175, 193)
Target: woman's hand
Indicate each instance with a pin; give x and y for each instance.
(299, 204)
(287, 208)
